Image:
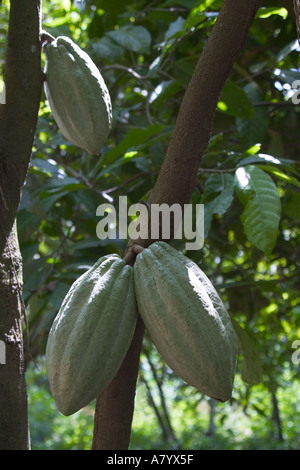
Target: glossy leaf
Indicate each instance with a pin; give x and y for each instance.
(234, 101)
(259, 195)
(133, 38)
(252, 372)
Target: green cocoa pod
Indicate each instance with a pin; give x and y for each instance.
(91, 333)
(186, 319)
(77, 95)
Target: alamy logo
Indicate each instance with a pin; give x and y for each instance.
(2, 352)
(295, 97)
(3, 95)
(296, 354)
(155, 221)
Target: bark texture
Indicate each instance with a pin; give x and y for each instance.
(14, 432)
(18, 117)
(176, 181)
(115, 433)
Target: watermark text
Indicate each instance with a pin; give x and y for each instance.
(2, 352)
(155, 221)
(296, 354)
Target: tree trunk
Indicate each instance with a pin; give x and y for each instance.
(176, 181)
(276, 420)
(18, 117)
(115, 408)
(212, 409)
(13, 412)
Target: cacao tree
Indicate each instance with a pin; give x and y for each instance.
(18, 117)
(194, 161)
(178, 175)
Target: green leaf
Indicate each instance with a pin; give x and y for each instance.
(195, 18)
(27, 223)
(47, 201)
(283, 176)
(113, 6)
(271, 164)
(217, 197)
(266, 12)
(253, 150)
(57, 185)
(48, 167)
(219, 186)
(200, 12)
(287, 76)
(164, 91)
(259, 158)
(133, 38)
(234, 101)
(66, 4)
(175, 29)
(56, 298)
(189, 4)
(132, 140)
(253, 130)
(286, 50)
(259, 195)
(291, 207)
(106, 48)
(252, 372)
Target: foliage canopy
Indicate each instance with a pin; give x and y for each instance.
(249, 182)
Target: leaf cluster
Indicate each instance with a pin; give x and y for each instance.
(248, 182)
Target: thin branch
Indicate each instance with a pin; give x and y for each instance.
(279, 104)
(215, 170)
(162, 398)
(126, 69)
(86, 181)
(155, 408)
(130, 180)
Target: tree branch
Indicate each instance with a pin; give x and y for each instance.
(176, 181)
(169, 433)
(177, 178)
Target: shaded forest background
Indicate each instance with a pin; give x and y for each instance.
(147, 52)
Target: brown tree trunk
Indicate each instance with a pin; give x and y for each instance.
(116, 432)
(13, 412)
(176, 181)
(18, 119)
(276, 419)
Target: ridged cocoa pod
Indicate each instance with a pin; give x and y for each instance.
(186, 319)
(91, 333)
(77, 95)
